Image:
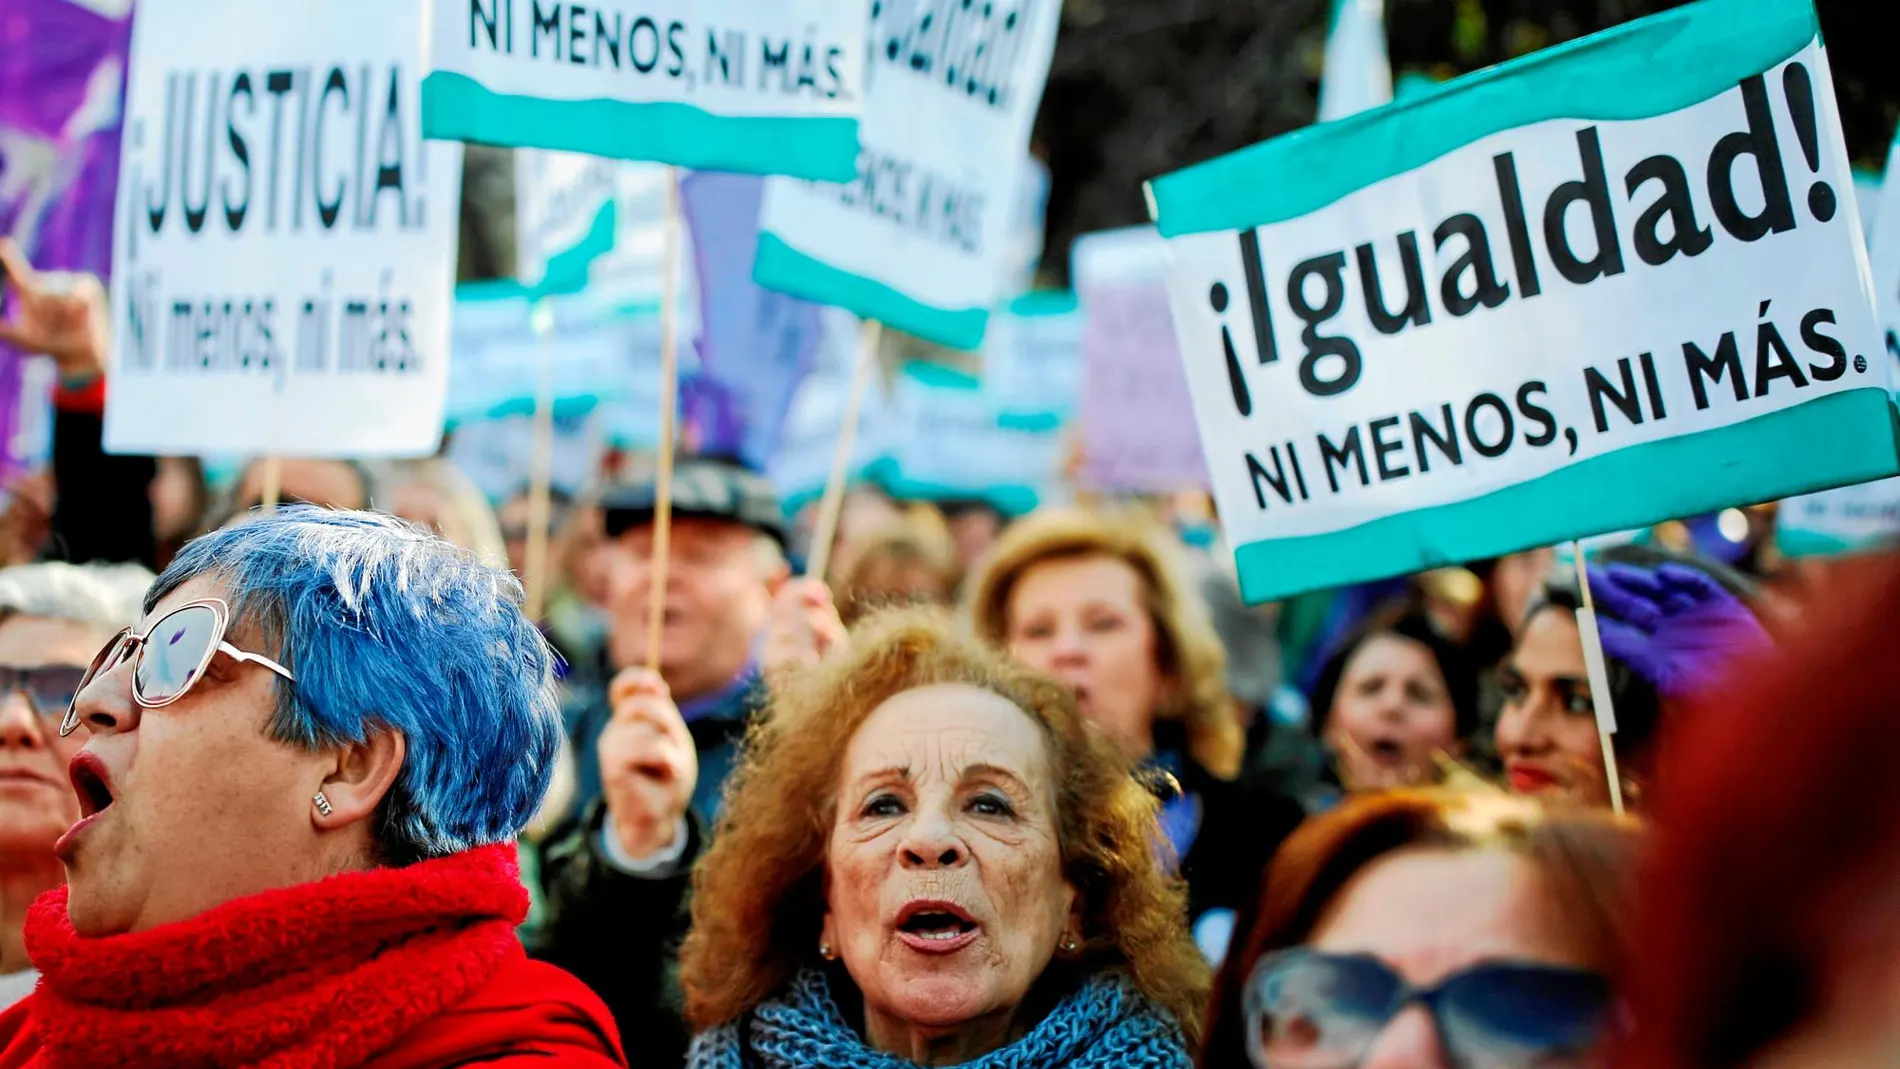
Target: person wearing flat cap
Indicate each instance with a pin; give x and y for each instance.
(653, 749)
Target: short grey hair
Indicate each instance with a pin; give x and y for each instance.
(106, 597)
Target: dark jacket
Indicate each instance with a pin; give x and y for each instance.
(620, 933)
(717, 722)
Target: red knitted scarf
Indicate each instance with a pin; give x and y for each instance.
(318, 976)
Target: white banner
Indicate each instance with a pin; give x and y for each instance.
(920, 240)
(285, 246)
(1553, 329)
(760, 86)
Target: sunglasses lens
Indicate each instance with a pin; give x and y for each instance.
(52, 688)
(1312, 1011)
(175, 652)
(1506, 1016)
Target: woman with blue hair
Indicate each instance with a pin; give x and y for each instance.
(303, 774)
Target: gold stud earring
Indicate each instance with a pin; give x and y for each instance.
(323, 804)
(825, 952)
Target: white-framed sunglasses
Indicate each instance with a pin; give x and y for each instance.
(169, 658)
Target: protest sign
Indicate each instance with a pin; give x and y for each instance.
(759, 86)
(62, 81)
(801, 467)
(1358, 71)
(494, 453)
(1138, 430)
(950, 440)
(597, 351)
(919, 239)
(583, 222)
(1604, 285)
(1864, 517)
(755, 344)
(1032, 358)
(285, 247)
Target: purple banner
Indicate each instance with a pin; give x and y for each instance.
(62, 86)
(755, 345)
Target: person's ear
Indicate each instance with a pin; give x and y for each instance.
(1073, 937)
(361, 777)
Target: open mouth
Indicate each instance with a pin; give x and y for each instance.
(1386, 751)
(90, 784)
(940, 923)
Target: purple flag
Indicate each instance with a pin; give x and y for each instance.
(755, 345)
(62, 91)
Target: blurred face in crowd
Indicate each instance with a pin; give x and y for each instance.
(1426, 915)
(1392, 715)
(719, 584)
(1515, 579)
(177, 494)
(1085, 621)
(1547, 731)
(513, 517)
(423, 504)
(37, 803)
(330, 483)
(945, 895)
(191, 805)
(973, 531)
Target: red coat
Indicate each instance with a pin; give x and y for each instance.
(414, 968)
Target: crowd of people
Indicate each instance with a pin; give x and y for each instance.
(290, 777)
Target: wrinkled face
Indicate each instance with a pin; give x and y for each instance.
(188, 806)
(1547, 730)
(1083, 620)
(36, 799)
(1392, 715)
(1430, 913)
(945, 894)
(718, 595)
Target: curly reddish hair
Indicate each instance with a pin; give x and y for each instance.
(759, 893)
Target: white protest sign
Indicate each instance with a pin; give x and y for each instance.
(759, 86)
(583, 223)
(920, 239)
(1599, 287)
(285, 246)
(1864, 517)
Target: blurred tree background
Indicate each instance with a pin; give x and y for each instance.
(1143, 87)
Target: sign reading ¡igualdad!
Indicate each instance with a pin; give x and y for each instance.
(1608, 284)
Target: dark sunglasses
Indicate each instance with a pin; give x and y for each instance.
(1308, 1010)
(168, 658)
(49, 689)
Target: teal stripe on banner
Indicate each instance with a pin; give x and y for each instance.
(1639, 70)
(783, 268)
(1796, 545)
(456, 107)
(1844, 438)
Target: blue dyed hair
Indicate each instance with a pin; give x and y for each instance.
(389, 627)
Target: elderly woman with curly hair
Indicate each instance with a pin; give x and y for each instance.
(1101, 601)
(927, 858)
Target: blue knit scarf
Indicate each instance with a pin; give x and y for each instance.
(1107, 1023)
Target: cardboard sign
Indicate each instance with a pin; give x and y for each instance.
(1608, 284)
(759, 86)
(285, 247)
(809, 438)
(1138, 430)
(920, 239)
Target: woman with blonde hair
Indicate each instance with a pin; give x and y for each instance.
(1101, 602)
(926, 857)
